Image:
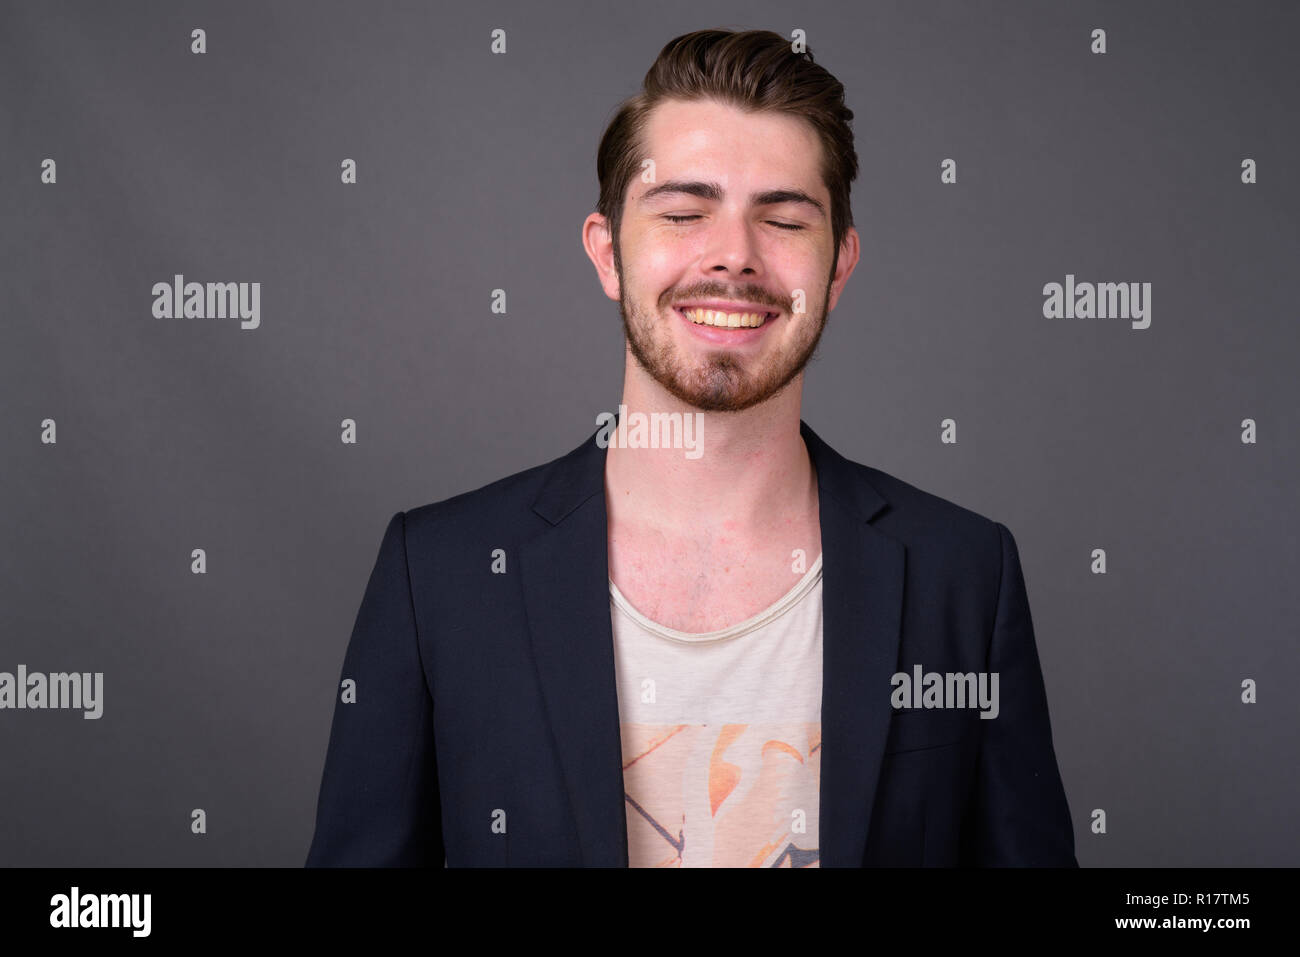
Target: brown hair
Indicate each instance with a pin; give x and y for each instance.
(751, 69)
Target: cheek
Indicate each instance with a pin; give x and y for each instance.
(657, 271)
(664, 256)
(804, 268)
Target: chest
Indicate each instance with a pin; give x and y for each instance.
(711, 580)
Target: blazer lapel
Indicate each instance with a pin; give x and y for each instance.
(862, 602)
(565, 578)
(564, 575)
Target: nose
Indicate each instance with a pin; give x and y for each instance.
(732, 247)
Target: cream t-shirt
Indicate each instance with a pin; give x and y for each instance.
(721, 735)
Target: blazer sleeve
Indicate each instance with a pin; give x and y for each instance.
(379, 804)
(1021, 817)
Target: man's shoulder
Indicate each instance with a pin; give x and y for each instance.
(929, 525)
(921, 505)
(923, 521)
(507, 502)
(512, 493)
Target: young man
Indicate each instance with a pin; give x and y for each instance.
(751, 652)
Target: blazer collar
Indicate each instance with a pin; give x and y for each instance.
(564, 574)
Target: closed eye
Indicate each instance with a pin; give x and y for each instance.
(684, 219)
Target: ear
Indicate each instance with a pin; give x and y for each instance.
(598, 242)
(850, 250)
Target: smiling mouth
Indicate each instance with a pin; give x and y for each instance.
(726, 320)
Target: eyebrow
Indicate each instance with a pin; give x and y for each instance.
(714, 192)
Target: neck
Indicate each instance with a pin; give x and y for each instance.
(754, 474)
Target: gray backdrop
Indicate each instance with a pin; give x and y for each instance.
(474, 172)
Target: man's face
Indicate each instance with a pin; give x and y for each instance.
(731, 220)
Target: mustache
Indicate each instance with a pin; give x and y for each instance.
(753, 294)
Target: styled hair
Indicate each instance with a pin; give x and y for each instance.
(753, 70)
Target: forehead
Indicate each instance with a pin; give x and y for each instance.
(718, 141)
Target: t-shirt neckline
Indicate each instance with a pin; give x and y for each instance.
(768, 614)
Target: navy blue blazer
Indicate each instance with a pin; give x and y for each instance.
(485, 726)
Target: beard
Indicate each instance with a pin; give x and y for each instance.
(721, 380)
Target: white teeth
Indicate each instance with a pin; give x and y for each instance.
(726, 320)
